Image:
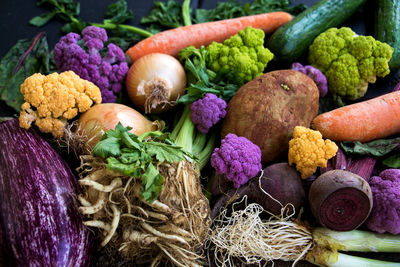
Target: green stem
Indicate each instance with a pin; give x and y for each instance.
(345, 260)
(205, 154)
(186, 133)
(178, 126)
(187, 20)
(198, 143)
(357, 240)
(111, 26)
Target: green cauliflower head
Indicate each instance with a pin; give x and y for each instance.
(349, 61)
(242, 55)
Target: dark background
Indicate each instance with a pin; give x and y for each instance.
(14, 25)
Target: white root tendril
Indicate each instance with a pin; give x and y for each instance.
(98, 224)
(114, 225)
(244, 235)
(103, 188)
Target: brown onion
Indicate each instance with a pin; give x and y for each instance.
(155, 81)
(103, 117)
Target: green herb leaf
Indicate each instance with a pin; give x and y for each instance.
(165, 14)
(152, 183)
(130, 169)
(131, 155)
(107, 147)
(24, 59)
(118, 12)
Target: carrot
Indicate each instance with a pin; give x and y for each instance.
(363, 121)
(172, 41)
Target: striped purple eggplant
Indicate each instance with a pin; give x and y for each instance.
(39, 216)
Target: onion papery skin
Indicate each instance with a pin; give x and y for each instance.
(154, 82)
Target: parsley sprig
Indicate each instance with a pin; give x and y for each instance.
(138, 156)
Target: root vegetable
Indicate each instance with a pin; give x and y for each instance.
(243, 236)
(171, 229)
(340, 200)
(267, 109)
(280, 186)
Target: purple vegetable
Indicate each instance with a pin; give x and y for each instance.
(279, 180)
(238, 158)
(207, 111)
(362, 166)
(385, 214)
(397, 87)
(315, 74)
(41, 223)
(108, 73)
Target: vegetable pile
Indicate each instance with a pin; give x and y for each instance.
(239, 135)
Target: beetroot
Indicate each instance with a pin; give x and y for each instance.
(340, 200)
(279, 180)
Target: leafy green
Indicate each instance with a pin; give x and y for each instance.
(124, 35)
(378, 148)
(25, 58)
(201, 79)
(167, 14)
(385, 149)
(135, 156)
(233, 9)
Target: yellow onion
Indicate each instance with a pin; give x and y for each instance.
(102, 117)
(155, 81)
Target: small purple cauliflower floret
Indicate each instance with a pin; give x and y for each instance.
(108, 73)
(207, 111)
(385, 214)
(315, 74)
(237, 158)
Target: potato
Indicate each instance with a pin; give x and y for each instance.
(266, 110)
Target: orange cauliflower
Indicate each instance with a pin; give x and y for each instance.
(53, 99)
(308, 150)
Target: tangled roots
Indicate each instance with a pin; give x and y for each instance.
(171, 229)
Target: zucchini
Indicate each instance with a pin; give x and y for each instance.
(291, 40)
(387, 28)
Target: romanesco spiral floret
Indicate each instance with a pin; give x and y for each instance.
(349, 61)
(242, 55)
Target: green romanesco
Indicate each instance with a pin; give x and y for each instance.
(349, 61)
(242, 55)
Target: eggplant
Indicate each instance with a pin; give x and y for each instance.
(39, 214)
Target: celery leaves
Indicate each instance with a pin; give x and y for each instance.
(137, 156)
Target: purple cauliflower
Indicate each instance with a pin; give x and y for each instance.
(207, 111)
(385, 214)
(107, 72)
(315, 74)
(237, 158)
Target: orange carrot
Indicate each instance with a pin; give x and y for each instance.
(363, 121)
(172, 41)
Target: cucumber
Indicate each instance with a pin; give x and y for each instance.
(291, 40)
(387, 28)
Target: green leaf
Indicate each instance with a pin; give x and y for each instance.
(118, 12)
(24, 59)
(114, 164)
(42, 19)
(379, 148)
(392, 161)
(152, 183)
(164, 152)
(129, 157)
(165, 14)
(107, 147)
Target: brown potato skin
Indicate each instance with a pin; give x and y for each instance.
(266, 113)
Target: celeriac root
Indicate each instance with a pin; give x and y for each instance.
(170, 230)
(244, 236)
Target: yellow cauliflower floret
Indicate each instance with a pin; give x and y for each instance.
(53, 99)
(308, 150)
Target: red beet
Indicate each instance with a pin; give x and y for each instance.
(340, 200)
